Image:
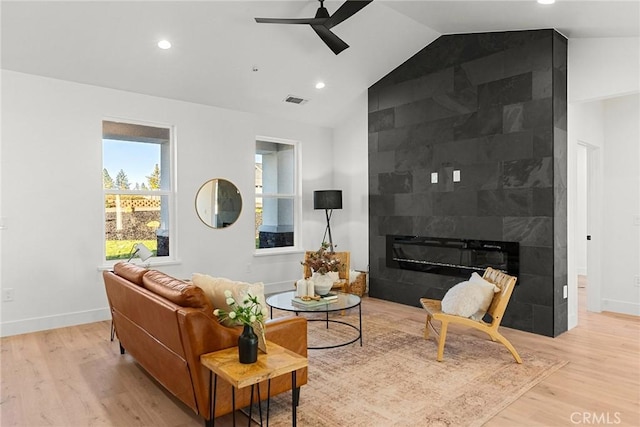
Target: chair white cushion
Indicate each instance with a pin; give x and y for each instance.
(470, 298)
(214, 288)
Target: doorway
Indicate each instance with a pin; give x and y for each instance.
(588, 227)
(582, 233)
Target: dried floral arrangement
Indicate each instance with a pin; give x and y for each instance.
(322, 261)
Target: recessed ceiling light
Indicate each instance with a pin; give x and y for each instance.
(546, 1)
(319, 85)
(164, 44)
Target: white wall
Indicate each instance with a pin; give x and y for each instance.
(621, 203)
(602, 72)
(603, 67)
(581, 210)
(586, 127)
(52, 204)
(611, 130)
(351, 176)
(597, 69)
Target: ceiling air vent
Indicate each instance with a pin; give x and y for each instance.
(295, 100)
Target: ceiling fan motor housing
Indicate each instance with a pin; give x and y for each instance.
(322, 12)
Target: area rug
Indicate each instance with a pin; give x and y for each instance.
(394, 379)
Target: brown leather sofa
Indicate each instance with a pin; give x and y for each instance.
(166, 324)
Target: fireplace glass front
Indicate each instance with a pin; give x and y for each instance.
(452, 257)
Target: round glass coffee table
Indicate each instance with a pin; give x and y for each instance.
(283, 301)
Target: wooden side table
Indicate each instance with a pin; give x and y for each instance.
(277, 361)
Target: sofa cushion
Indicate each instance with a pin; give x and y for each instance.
(175, 290)
(130, 272)
(469, 299)
(214, 288)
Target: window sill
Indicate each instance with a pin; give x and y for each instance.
(150, 264)
(278, 251)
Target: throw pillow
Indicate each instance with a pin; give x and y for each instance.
(470, 298)
(214, 288)
(353, 275)
(488, 289)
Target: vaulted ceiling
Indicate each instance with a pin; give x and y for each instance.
(222, 57)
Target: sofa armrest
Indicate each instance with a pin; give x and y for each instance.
(288, 332)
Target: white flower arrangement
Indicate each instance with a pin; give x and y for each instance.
(248, 312)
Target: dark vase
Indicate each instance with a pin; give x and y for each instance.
(248, 345)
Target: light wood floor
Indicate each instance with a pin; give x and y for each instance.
(76, 377)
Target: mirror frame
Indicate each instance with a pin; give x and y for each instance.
(201, 202)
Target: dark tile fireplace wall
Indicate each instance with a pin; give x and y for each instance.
(493, 106)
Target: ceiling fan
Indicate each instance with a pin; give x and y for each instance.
(323, 22)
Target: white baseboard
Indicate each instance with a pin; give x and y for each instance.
(623, 307)
(35, 324)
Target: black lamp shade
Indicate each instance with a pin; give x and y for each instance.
(327, 199)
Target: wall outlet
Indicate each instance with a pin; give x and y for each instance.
(7, 295)
(565, 291)
(636, 281)
(456, 176)
(434, 177)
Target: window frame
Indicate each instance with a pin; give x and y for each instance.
(296, 196)
(170, 193)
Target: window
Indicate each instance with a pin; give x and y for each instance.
(137, 186)
(277, 194)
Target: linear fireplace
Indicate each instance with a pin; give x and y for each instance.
(452, 257)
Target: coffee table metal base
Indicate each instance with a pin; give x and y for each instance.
(357, 328)
(282, 301)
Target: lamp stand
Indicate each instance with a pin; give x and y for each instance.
(328, 213)
(134, 251)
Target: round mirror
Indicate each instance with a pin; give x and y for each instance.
(218, 203)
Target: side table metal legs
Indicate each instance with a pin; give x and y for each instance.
(213, 383)
(213, 391)
(295, 394)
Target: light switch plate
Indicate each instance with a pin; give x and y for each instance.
(434, 177)
(456, 176)
(7, 295)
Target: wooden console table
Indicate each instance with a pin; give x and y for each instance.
(277, 361)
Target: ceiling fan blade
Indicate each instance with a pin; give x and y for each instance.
(335, 43)
(347, 10)
(310, 21)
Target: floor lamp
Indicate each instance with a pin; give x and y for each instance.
(327, 200)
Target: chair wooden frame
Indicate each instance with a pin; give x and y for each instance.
(496, 310)
(343, 274)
